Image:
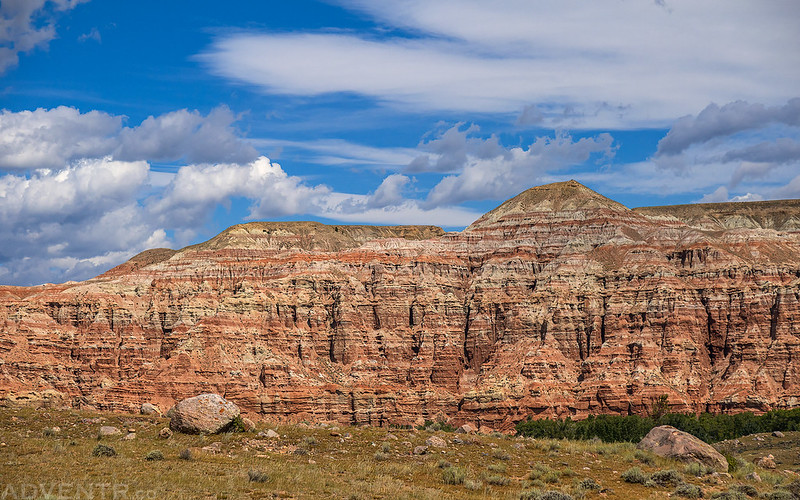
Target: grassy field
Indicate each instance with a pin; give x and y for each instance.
(40, 462)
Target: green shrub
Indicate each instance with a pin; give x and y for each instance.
(185, 454)
(310, 441)
(102, 450)
(686, 490)
(498, 480)
(443, 464)
(472, 484)
(154, 455)
(236, 425)
(453, 475)
(696, 469)
(745, 489)
(539, 470)
(644, 457)
(386, 447)
(728, 495)
(669, 477)
(589, 484)
(634, 475)
(380, 456)
(501, 455)
(779, 495)
(256, 476)
(499, 468)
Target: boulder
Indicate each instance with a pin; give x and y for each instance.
(767, 462)
(436, 442)
(466, 429)
(149, 409)
(420, 450)
(669, 442)
(203, 414)
(108, 430)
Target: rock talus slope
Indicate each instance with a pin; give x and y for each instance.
(560, 302)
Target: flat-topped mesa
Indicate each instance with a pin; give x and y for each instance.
(780, 215)
(308, 235)
(560, 201)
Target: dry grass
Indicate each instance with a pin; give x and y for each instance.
(365, 465)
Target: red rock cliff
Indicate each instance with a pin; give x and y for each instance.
(560, 302)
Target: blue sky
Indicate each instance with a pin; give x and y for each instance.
(132, 125)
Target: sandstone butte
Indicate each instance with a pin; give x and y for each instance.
(558, 303)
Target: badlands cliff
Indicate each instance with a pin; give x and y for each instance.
(560, 302)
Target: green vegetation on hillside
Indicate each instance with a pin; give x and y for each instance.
(709, 427)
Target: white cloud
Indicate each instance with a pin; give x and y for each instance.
(187, 135)
(49, 138)
(620, 64)
(487, 170)
(26, 25)
(73, 223)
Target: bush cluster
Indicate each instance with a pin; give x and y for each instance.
(709, 427)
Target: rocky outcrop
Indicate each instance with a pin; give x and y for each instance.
(560, 302)
(669, 442)
(203, 414)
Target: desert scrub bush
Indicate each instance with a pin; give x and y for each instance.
(380, 456)
(589, 484)
(186, 454)
(497, 480)
(443, 464)
(102, 450)
(779, 495)
(772, 478)
(686, 490)
(499, 468)
(154, 455)
(728, 495)
(634, 475)
(745, 489)
(301, 451)
(501, 455)
(644, 457)
(49, 432)
(696, 469)
(473, 484)
(544, 495)
(236, 425)
(309, 441)
(256, 476)
(539, 470)
(669, 477)
(386, 447)
(432, 426)
(454, 475)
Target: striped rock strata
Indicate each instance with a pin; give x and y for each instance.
(560, 302)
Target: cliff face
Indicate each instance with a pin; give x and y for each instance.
(559, 302)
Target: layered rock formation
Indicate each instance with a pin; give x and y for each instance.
(560, 302)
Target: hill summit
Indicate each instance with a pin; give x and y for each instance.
(558, 197)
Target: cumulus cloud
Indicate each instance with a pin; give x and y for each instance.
(715, 122)
(606, 61)
(26, 25)
(197, 189)
(50, 138)
(186, 135)
(487, 170)
(74, 222)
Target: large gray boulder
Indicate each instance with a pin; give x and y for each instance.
(669, 442)
(203, 414)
